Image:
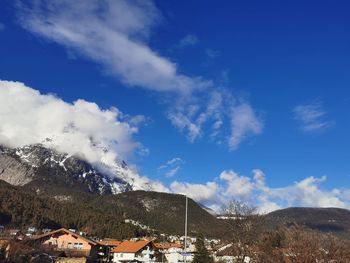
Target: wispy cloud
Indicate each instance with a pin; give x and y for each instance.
(171, 167)
(111, 33)
(2, 27)
(188, 40)
(115, 34)
(212, 53)
(225, 117)
(312, 117)
(244, 122)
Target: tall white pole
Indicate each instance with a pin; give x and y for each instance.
(163, 249)
(185, 259)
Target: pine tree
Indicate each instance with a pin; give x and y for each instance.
(202, 255)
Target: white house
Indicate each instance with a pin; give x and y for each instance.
(225, 254)
(32, 230)
(171, 252)
(134, 251)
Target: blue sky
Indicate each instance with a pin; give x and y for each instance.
(280, 69)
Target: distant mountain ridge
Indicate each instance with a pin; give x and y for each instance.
(333, 220)
(39, 166)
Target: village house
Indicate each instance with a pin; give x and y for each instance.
(225, 253)
(110, 245)
(32, 230)
(171, 252)
(134, 251)
(14, 232)
(69, 242)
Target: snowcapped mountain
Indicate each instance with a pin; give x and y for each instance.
(38, 164)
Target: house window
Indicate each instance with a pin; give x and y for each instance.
(121, 255)
(70, 245)
(78, 245)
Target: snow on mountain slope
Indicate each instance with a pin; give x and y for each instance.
(20, 166)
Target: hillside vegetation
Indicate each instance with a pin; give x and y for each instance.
(20, 208)
(164, 212)
(104, 215)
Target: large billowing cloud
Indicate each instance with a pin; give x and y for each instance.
(232, 186)
(80, 127)
(100, 136)
(115, 34)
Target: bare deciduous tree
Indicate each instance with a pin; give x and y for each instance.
(300, 245)
(246, 225)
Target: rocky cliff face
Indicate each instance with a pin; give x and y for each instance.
(36, 163)
(15, 172)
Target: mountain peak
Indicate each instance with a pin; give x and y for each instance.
(32, 164)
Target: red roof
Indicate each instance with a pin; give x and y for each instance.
(110, 242)
(131, 246)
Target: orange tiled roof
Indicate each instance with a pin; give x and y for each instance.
(131, 246)
(110, 242)
(167, 245)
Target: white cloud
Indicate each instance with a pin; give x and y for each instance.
(171, 167)
(212, 53)
(244, 122)
(188, 40)
(29, 117)
(312, 117)
(306, 192)
(100, 136)
(199, 192)
(172, 172)
(225, 117)
(236, 186)
(112, 33)
(174, 161)
(230, 185)
(184, 118)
